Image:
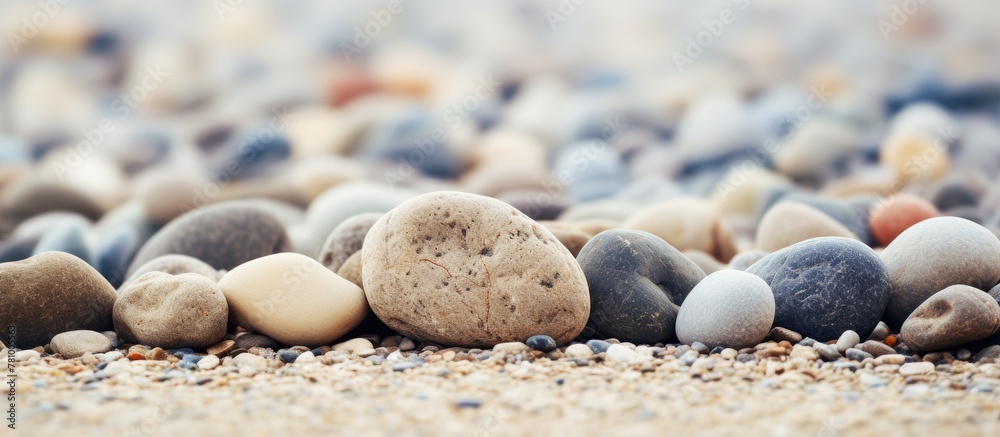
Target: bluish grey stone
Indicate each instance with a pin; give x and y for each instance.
(598, 346)
(857, 354)
(542, 343)
(70, 236)
(636, 282)
(825, 286)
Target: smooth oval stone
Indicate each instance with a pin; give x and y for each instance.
(713, 126)
(814, 148)
(29, 197)
(636, 281)
(934, 254)
(745, 259)
(825, 286)
(177, 265)
(851, 212)
(542, 343)
(251, 340)
(569, 235)
(171, 311)
(955, 194)
(346, 239)
(914, 156)
(728, 308)
(687, 224)
(293, 299)
(706, 262)
(953, 316)
(788, 223)
(224, 236)
(75, 344)
(70, 236)
(896, 214)
(467, 270)
(51, 293)
(597, 170)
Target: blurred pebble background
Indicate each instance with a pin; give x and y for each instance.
(117, 117)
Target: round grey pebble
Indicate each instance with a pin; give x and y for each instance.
(598, 346)
(857, 354)
(542, 343)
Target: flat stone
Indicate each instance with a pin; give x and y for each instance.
(920, 368)
(935, 254)
(354, 346)
(953, 316)
(209, 362)
(876, 348)
(252, 340)
(779, 334)
(250, 360)
(512, 347)
(221, 348)
(75, 344)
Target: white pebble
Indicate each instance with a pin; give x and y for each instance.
(619, 353)
(209, 362)
(578, 350)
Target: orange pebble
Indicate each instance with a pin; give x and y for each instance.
(890, 341)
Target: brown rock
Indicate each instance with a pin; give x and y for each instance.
(351, 269)
(221, 348)
(958, 314)
(346, 239)
(687, 224)
(462, 269)
(567, 234)
(788, 223)
(52, 293)
(171, 311)
(176, 265)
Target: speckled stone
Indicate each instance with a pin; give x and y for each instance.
(934, 254)
(728, 308)
(51, 293)
(636, 283)
(224, 236)
(346, 239)
(825, 286)
(951, 317)
(467, 270)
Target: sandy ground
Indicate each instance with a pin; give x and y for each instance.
(507, 395)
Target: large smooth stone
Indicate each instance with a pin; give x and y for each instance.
(636, 282)
(728, 308)
(825, 286)
(346, 239)
(951, 317)
(293, 299)
(934, 254)
(788, 223)
(896, 214)
(687, 224)
(224, 235)
(52, 293)
(467, 270)
(171, 311)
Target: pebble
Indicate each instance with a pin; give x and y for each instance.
(953, 316)
(895, 359)
(306, 357)
(898, 213)
(787, 223)
(579, 350)
(293, 299)
(828, 352)
(880, 333)
(988, 353)
(352, 270)
(75, 344)
(251, 340)
(171, 311)
(511, 348)
(542, 343)
(250, 360)
(223, 235)
(484, 270)
(825, 286)
(223, 347)
(52, 293)
(848, 340)
(935, 254)
(920, 368)
(406, 365)
(636, 282)
(620, 354)
(779, 334)
(354, 346)
(288, 356)
(745, 259)
(728, 308)
(687, 224)
(344, 201)
(346, 239)
(598, 346)
(876, 348)
(68, 236)
(857, 354)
